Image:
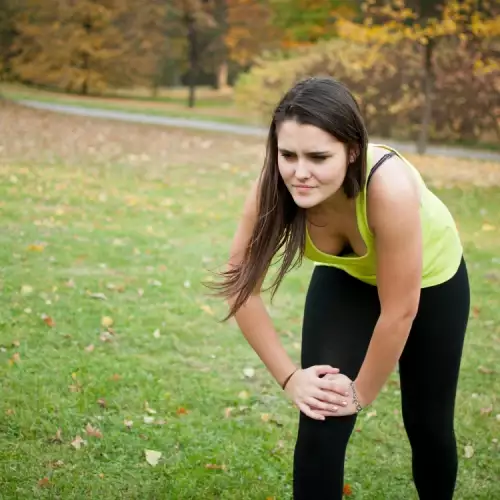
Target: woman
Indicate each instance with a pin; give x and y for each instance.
(389, 286)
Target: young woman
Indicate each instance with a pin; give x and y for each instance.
(389, 286)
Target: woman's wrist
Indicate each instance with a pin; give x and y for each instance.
(363, 399)
(287, 379)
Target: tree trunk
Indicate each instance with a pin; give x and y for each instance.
(193, 58)
(222, 76)
(428, 82)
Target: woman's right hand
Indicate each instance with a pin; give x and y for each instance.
(315, 396)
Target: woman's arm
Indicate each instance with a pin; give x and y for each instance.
(307, 389)
(394, 215)
(253, 318)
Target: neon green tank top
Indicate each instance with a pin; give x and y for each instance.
(442, 248)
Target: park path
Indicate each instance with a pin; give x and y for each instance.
(248, 130)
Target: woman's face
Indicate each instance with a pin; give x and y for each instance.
(312, 163)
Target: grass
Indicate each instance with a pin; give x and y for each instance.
(140, 214)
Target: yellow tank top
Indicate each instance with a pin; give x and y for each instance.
(442, 248)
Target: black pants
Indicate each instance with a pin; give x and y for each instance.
(340, 315)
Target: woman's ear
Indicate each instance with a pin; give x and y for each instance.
(353, 153)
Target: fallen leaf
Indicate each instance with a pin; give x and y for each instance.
(487, 371)
(44, 482)
(106, 337)
(207, 309)
(249, 372)
(93, 431)
(48, 320)
(115, 377)
(265, 417)
(468, 451)
(78, 442)
(497, 416)
(9, 412)
(476, 311)
(215, 467)
(101, 476)
(70, 283)
(16, 343)
(106, 321)
(148, 419)
(187, 284)
(36, 248)
(487, 227)
(90, 348)
(152, 457)
(148, 409)
(182, 411)
(75, 387)
(128, 424)
(26, 289)
(243, 395)
(487, 410)
(227, 412)
(347, 490)
(57, 464)
(156, 334)
(16, 358)
(102, 403)
(371, 414)
(57, 438)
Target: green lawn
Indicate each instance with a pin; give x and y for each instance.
(82, 242)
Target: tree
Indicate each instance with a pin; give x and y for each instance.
(250, 30)
(7, 35)
(423, 23)
(307, 21)
(85, 46)
(193, 17)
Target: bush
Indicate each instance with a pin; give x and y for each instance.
(387, 83)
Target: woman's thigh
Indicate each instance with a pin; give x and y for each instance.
(339, 317)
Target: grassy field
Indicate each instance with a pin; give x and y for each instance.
(111, 350)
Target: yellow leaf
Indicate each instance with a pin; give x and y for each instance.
(152, 457)
(36, 248)
(488, 227)
(78, 442)
(106, 321)
(207, 309)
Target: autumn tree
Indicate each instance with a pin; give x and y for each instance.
(304, 22)
(7, 35)
(424, 24)
(85, 46)
(251, 30)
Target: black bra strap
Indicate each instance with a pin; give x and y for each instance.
(385, 157)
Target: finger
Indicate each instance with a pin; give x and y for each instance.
(332, 386)
(325, 369)
(321, 405)
(329, 397)
(327, 413)
(310, 413)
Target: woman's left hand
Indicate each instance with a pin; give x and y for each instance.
(343, 381)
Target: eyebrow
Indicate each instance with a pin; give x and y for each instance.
(315, 153)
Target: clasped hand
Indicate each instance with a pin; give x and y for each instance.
(321, 391)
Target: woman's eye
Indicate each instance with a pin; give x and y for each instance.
(318, 159)
(288, 156)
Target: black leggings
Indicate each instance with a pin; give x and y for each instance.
(340, 315)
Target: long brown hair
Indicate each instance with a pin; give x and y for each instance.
(281, 224)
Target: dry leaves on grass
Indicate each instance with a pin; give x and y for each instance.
(152, 457)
